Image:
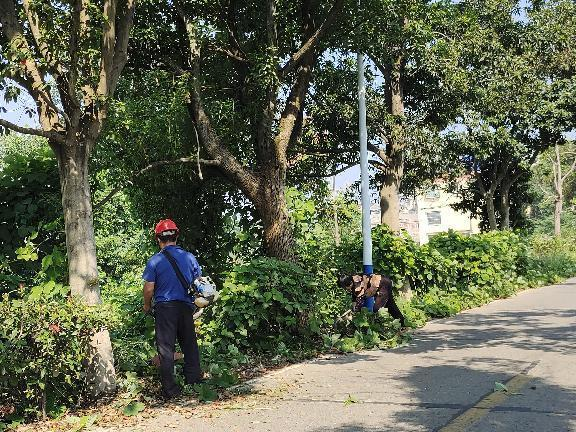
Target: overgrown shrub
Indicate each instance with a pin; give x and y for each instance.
(401, 258)
(43, 343)
(133, 334)
(487, 262)
(30, 209)
(261, 304)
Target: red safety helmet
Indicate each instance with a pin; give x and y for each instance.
(166, 225)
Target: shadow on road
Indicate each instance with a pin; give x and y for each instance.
(538, 406)
(433, 395)
(525, 330)
(436, 395)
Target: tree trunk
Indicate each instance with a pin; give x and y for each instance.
(491, 210)
(278, 236)
(77, 206)
(272, 209)
(81, 248)
(505, 207)
(390, 198)
(558, 214)
(390, 188)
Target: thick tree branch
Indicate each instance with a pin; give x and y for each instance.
(51, 135)
(312, 41)
(479, 181)
(328, 174)
(32, 80)
(108, 48)
(570, 170)
(380, 166)
(294, 105)
(227, 163)
(34, 23)
(381, 153)
(271, 30)
(151, 167)
(73, 51)
(121, 47)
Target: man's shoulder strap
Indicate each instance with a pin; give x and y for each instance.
(179, 274)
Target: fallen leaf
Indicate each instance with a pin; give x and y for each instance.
(350, 400)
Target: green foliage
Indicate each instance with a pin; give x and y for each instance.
(400, 258)
(364, 330)
(133, 408)
(133, 335)
(261, 304)
(43, 344)
(29, 208)
(454, 272)
(550, 259)
(313, 219)
(488, 262)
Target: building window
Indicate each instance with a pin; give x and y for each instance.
(432, 195)
(434, 218)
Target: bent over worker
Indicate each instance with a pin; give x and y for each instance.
(173, 306)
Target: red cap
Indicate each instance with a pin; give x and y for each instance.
(166, 225)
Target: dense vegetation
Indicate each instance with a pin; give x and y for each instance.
(229, 127)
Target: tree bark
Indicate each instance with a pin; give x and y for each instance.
(394, 159)
(81, 251)
(505, 206)
(558, 214)
(390, 197)
(491, 211)
(272, 209)
(79, 227)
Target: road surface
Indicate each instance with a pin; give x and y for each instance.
(443, 380)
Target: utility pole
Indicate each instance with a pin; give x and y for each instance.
(365, 183)
(335, 209)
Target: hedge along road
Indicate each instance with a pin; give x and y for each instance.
(443, 380)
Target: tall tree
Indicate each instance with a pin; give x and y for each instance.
(412, 95)
(516, 106)
(553, 172)
(248, 66)
(68, 57)
(560, 177)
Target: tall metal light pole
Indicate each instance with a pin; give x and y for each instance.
(365, 181)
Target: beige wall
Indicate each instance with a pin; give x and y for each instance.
(435, 215)
(431, 213)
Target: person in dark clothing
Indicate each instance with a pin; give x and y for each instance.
(363, 286)
(173, 307)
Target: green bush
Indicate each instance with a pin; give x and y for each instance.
(261, 304)
(364, 330)
(488, 262)
(133, 334)
(401, 258)
(43, 343)
(30, 209)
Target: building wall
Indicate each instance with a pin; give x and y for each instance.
(428, 214)
(435, 215)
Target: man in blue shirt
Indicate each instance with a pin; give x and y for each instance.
(173, 307)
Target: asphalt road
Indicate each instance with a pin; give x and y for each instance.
(443, 380)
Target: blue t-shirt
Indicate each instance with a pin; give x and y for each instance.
(167, 286)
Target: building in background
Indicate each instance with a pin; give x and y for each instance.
(431, 213)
